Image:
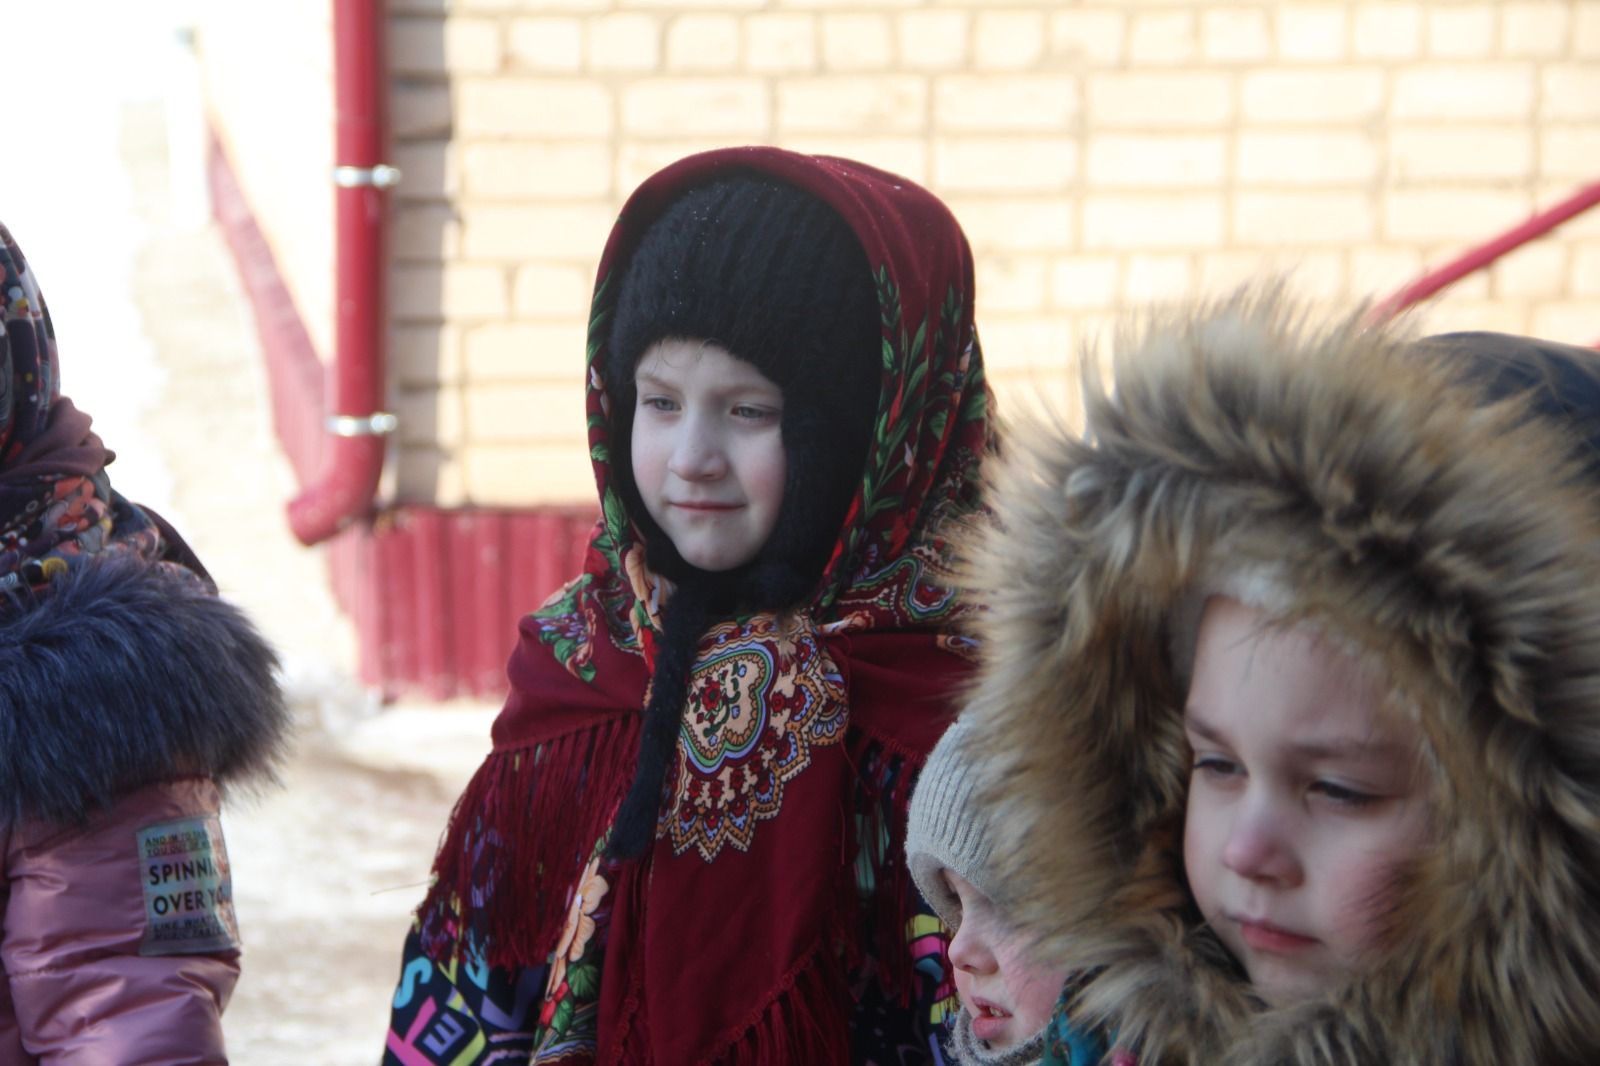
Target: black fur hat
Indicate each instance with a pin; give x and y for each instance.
(776, 277)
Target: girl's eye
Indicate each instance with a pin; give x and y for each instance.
(657, 403)
(1215, 766)
(1343, 795)
(753, 413)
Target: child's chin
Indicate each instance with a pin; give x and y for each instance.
(713, 560)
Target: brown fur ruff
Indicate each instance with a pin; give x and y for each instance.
(1454, 543)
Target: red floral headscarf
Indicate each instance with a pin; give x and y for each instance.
(730, 926)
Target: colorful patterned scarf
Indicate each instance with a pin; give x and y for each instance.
(730, 940)
(57, 506)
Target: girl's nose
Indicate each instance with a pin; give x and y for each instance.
(1260, 846)
(970, 949)
(698, 455)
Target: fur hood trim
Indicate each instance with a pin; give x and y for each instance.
(122, 673)
(1454, 542)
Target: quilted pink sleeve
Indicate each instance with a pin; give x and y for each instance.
(120, 943)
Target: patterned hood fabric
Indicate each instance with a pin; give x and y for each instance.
(57, 506)
(738, 936)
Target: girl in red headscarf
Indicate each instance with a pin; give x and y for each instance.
(128, 694)
(686, 844)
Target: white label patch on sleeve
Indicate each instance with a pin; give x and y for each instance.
(188, 888)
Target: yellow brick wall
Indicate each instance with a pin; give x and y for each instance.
(1099, 154)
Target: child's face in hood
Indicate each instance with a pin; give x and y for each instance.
(1009, 995)
(708, 454)
(1305, 795)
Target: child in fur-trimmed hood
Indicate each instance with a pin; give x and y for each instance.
(1289, 710)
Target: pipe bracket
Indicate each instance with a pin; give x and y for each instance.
(377, 424)
(382, 176)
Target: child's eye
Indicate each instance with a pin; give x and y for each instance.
(1343, 795)
(657, 403)
(753, 413)
(1216, 766)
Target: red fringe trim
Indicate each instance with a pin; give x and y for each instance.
(806, 1021)
(621, 1039)
(519, 838)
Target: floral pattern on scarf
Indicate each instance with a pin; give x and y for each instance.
(759, 700)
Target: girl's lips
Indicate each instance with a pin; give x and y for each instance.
(1263, 936)
(989, 1021)
(692, 506)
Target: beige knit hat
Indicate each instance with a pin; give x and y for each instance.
(943, 828)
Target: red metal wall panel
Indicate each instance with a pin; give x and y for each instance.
(387, 579)
(433, 666)
(479, 601)
(436, 594)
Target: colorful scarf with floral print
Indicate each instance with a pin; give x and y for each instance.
(56, 503)
(737, 937)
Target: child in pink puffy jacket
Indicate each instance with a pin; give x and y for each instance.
(129, 694)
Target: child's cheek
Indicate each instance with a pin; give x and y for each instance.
(1377, 851)
(1359, 922)
(1034, 990)
(1368, 890)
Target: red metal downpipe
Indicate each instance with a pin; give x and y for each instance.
(357, 425)
(1484, 254)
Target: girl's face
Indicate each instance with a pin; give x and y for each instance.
(708, 454)
(1304, 798)
(1009, 996)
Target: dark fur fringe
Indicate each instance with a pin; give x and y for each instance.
(518, 839)
(123, 672)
